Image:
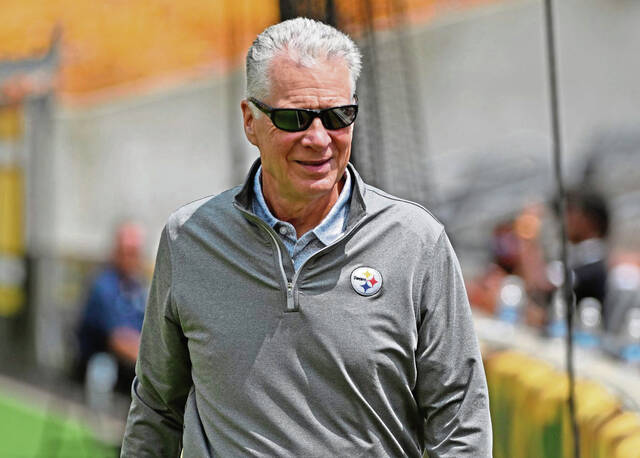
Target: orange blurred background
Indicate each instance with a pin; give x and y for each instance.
(126, 44)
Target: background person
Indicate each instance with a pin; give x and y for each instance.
(587, 224)
(587, 230)
(113, 314)
(520, 253)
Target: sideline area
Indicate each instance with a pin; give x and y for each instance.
(528, 391)
(40, 424)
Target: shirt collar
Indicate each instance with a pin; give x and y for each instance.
(334, 224)
(330, 228)
(243, 195)
(259, 205)
(587, 252)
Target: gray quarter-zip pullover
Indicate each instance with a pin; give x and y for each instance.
(242, 355)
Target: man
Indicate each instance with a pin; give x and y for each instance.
(587, 229)
(587, 223)
(306, 314)
(112, 317)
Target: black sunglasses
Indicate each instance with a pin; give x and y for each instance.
(298, 119)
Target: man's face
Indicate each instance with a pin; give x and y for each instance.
(580, 226)
(300, 167)
(128, 250)
(128, 259)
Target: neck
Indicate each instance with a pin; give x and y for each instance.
(303, 215)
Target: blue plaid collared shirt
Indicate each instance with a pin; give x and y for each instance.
(330, 228)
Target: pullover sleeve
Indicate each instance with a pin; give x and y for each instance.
(452, 389)
(163, 380)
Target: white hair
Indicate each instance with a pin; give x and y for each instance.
(304, 41)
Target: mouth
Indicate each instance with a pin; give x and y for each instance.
(315, 165)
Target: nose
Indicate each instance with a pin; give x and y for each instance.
(316, 136)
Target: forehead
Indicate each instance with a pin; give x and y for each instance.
(324, 83)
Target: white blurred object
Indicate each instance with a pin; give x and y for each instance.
(557, 326)
(588, 332)
(555, 273)
(625, 276)
(590, 314)
(633, 324)
(623, 294)
(629, 340)
(511, 295)
(101, 377)
(558, 311)
(511, 299)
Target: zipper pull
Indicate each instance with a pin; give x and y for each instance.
(290, 304)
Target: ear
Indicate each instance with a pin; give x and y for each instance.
(248, 122)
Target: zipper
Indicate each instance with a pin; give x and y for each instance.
(319, 252)
(290, 303)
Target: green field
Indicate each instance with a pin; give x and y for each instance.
(34, 431)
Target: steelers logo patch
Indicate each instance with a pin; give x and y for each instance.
(366, 281)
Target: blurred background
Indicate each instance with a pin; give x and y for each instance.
(114, 113)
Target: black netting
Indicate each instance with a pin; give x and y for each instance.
(390, 136)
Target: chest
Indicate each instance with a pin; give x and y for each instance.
(235, 317)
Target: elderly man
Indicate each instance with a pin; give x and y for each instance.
(112, 317)
(306, 314)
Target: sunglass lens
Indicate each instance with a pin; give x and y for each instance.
(298, 120)
(291, 120)
(338, 118)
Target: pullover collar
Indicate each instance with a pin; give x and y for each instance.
(357, 208)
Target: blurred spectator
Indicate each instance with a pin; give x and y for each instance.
(587, 228)
(112, 318)
(484, 290)
(517, 251)
(587, 223)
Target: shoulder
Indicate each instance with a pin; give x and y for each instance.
(104, 286)
(206, 211)
(403, 214)
(107, 279)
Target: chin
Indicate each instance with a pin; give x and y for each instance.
(320, 186)
(311, 192)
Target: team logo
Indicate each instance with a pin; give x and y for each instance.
(366, 281)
